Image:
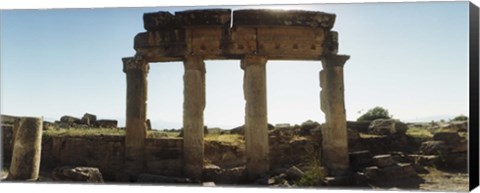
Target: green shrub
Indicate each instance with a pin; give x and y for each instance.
(312, 177)
(460, 118)
(375, 113)
(315, 174)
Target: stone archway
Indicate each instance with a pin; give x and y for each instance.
(255, 37)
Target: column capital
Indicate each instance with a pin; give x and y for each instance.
(132, 63)
(194, 63)
(253, 60)
(334, 60)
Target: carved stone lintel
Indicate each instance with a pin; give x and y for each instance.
(334, 60)
(253, 60)
(135, 63)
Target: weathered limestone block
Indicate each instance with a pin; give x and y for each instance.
(434, 148)
(425, 160)
(25, 163)
(359, 159)
(70, 120)
(294, 173)
(278, 34)
(256, 123)
(106, 123)
(383, 160)
(77, 174)
(398, 171)
(230, 176)
(193, 107)
(204, 17)
(372, 173)
(158, 21)
(135, 126)
(89, 119)
(387, 127)
(450, 137)
(268, 17)
(359, 126)
(332, 99)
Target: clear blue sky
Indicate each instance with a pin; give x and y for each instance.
(411, 58)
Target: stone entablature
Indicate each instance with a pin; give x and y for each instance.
(280, 35)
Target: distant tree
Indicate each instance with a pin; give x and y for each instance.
(460, 118)
(375, 113)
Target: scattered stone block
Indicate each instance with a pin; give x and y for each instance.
(359, 126)
(70, 120)
(387, 127)
(306, 126)
(398, 171)
(449, 137)
(372, 173)
(400, 157)
(360, 159)
(407, 170)
(461, 147)
(383, 160)
(89, 119)
(77, 174)
(106, 123)
(433, 148)
(425, 160)
(210, 172)
(293, 173)
(224, 176)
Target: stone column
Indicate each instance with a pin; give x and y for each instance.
(335, 140)
(27, 149)
(193, 106)
(135, 126)
(256, 124)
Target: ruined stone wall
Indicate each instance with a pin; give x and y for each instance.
(163, 156)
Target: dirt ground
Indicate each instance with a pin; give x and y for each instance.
(437, 180)
(434, 180)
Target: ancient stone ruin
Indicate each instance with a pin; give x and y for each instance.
(253, 37)
(27, 147)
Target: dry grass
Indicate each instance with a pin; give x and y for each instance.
(367, 136)
(233, 139)
(437, 180)
(83, 132)
(75, 132)
(419, 132)
(155, 134)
